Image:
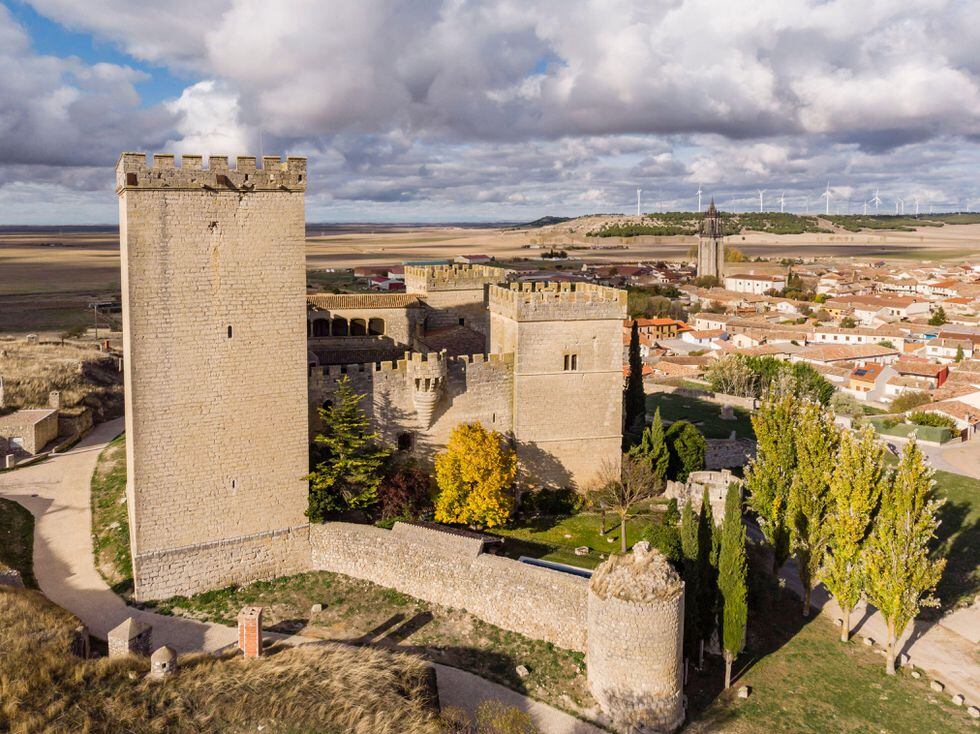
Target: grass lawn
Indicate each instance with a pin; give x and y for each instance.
(702, 413)
(804, 680)
(555, 539)
(959, 533)
(110, 523)
(362, 613)
(17, 540)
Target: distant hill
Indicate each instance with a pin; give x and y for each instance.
(543, 222)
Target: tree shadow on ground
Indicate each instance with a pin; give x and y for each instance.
(393, 635)
(959, 580)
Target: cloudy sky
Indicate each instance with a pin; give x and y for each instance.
(450, 110)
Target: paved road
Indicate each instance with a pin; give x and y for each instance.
(57, 492)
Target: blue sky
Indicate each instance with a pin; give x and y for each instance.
(492, 110)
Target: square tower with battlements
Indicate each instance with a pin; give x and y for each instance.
(213, 294)
(568, 375)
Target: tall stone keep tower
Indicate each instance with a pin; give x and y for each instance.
(711, 244)
(568, 375)
(213, 294)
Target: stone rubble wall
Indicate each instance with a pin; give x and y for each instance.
(719, 398)
(726, 453)
(533, 601)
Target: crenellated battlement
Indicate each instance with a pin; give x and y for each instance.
(415, 360)
(133, 173)
(423, 278)
(553, 301)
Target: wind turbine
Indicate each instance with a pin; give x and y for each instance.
(782, 203)
(699, 198)
(901, 205)
(827, 195)
(876, 201)
(916, 200)
(865, 208)
(638, 201)
(761, 193)
(807, 203)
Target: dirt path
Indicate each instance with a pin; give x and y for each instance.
(57, 492)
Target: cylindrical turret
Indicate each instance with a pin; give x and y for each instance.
(635, 637)
(427, 376)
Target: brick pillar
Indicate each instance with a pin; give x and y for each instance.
(250, 631)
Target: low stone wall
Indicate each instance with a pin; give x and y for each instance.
(537, 602)
(205, 566)
(727, 453)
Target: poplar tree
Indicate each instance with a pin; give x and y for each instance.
(653, 447)
(707, 598)
(816, 442)
(692, 577)
(732, 581)
(350, 458)
(898, 570)
(857, 479)
(635, 396)
(770, 473)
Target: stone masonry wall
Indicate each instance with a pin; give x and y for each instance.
(477, 388)
(537, 602)
(214, 311)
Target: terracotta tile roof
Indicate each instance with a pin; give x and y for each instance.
(867, 373)
(455, 340)
(341, 301)
(918, 367)
(955, 409)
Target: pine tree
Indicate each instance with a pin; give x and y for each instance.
(938, 317)
(959, 354)
(898, 571)
(692, 576)
(856, 482)
(653, 447)
(809, 494)
(351, 459)
(635, 396)
(707, 598)
(769, 475)
(732, 580)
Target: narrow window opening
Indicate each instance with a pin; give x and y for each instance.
(130, 179)
(404, 441)
(212, 227)
(234, 484)
(462, 321)
(229, 331)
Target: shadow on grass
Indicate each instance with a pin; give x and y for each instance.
(959, 540)
(391, 635)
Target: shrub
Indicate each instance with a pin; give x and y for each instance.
(932, 419)
(908, 400)
(672, 515)
(687, 449)
(666, 539)
(550, 502)
(406, 492)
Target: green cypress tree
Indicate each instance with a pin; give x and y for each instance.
(732, 581)
(350, 459)
(653, 446)
(635, 396)
(898, 569)
(959, 354)
(687, 449)
(692, 576)
(707, 598)
(770, 473)
(809, 495)
(856, 483)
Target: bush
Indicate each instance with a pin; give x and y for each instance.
(666, 539)
(550, 502)
(672, 515)
(687, 450)
(406, 493)
(908, 400)
(932, 419)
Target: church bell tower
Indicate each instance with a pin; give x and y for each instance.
(711, 244)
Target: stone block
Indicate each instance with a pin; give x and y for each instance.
(869, 641)
(130, 637)
(916, 674)
(522, 671)
(974, 712)
(163, 663)
(316, 609)
(744, 691)
(9, 461)
(957, 699)
(937, 686)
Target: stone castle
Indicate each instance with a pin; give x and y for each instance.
(221, 385)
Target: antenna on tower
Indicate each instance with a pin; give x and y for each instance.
(699, 198)
(828, 196)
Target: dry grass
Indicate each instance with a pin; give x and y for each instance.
(85, 377)
(324, 688)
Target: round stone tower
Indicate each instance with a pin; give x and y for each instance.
(635, 637)
(427, 376)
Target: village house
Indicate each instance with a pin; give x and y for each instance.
(947, 350)
(757, 284)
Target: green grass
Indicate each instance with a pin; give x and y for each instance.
(705, 415)
(361, 613)
(545, 538)
(959, 537)
(110, 523)
(17, 540)
(804, 680)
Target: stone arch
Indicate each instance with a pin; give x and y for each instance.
(339, 327)
(376, 327)
(358, 327)
(321, 327)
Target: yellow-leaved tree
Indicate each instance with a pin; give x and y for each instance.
(475, 476)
